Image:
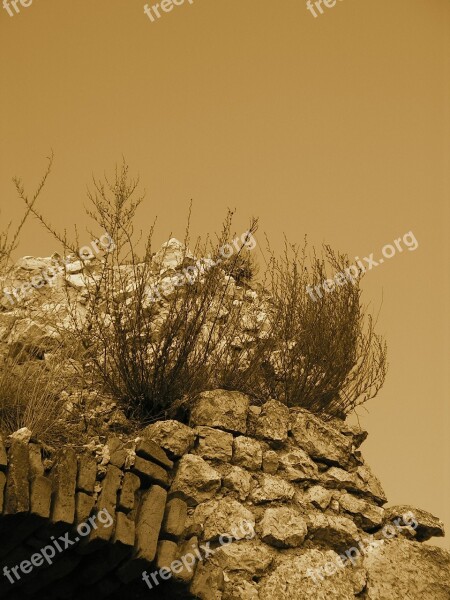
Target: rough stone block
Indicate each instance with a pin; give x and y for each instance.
(41, 496)
(271, 488)
(64, 477)
(130, 485)
(195, 481)
(148, 525)
(17, 494)
(247, 453)
(125, 531)
(172, 436)
(270, 462)
(87, 473)
(150, 473)
(273, 422)
(175, 518)
(106, 501)
(35, 453)
(214, 444)
(223, 409)
(150, 450)
(189, 550)
(166, 554)
(319, 439)
(84, 506)
(283, 527)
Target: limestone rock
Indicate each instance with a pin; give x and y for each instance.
(365, 514)
(227, 517)
(173, 436)
(425, 524)
(362, 481)
(238, 480)
(171, 255)
(273, 422)
(271, 488)
(270, 462)
(403, 569)
(337, 532)
(319, 439)
(28, 335)
(283, 527)
(318, 496)
(297, 465)
(22, 435)
(223, 409)
(214, 444)
(295, 578)
(370, 485)
(238, 589)
(195, 480)
(252, 557)
(357, 434)
(247, 453)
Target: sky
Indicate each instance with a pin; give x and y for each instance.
(334, 126)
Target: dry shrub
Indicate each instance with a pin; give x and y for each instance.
(30, 396)
(156, 355)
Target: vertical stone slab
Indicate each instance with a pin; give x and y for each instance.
(106, 501)
(17, 495)
(64, 476)
(87, 474)
(148, 525)
(3, 456)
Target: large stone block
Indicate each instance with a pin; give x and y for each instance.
(148, 525)
(225, 517)
(297, 466)
(214, 444)
(366, 515)
(271, 488)
(247, 453)
(150, 450)
(320, 440)
(222, 409)
(273, 422)
(283, 527)
(150, 473)
(424, 523)
(300, 577)
(195, 480)
(404, 569)
(177, 439)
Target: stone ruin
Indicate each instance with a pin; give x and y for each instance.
(315, 522)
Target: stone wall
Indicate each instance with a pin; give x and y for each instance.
(298, 484)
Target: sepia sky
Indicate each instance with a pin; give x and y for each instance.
(336, 127)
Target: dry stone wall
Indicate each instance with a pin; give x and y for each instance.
(246, 502)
